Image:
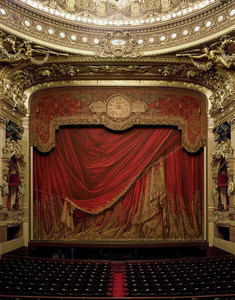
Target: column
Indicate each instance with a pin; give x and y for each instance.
(3, 122)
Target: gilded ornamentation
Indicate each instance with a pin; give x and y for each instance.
(216, 54)
(150, 106)
(228, 110)
(4, 186)
(222, 85)
(15, 217)
(14, 92)
(221, 157)
(119, 69)
(221, 216)
(150, 31)
(118, 44)
(223, 150)
(118, 107)
(13, 162)
(3, 119)
(13, 50)
(13, 148)
(110, 8)
(232, 121)
(230, 186)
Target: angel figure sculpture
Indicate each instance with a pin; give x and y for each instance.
(216, 54)
(14, 51)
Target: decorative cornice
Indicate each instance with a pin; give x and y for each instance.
(90, 40)
(118, 109)
(118, 82)
(217, 78)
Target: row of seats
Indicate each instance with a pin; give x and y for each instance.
(37, 277)
(209, 276)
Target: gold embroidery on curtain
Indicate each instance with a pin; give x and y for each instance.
(153, 219)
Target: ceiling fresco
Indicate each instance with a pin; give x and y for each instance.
(122, 10)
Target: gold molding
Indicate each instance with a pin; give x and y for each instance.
(89, 106)
(122, 83)
(146, 32)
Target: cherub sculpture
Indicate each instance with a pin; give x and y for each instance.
(217, 54)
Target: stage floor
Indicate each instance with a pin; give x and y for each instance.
(118, 251)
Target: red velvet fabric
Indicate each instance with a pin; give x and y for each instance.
(184, 180)
(14, 180)
(93, 167)
(222, 180)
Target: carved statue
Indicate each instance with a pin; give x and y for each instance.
(13, 148)
(216, 54)
(13, 50)
(223, 150)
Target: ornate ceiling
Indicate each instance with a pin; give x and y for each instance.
(104, 29)
(117, 12)
(46, 44)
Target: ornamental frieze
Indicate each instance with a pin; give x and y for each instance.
(118, 44)
(118, 107)
(163, 36)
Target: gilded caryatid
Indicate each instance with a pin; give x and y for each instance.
(217, 54)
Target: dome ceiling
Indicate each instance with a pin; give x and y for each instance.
(118, 12)
(118, 28)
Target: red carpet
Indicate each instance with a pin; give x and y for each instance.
(118, 281)
(118, 285)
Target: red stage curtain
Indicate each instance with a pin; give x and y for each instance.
(94, 167)
(143, 174)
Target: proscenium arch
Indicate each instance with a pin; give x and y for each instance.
(131, 83)
(103, 118)
(29, 92)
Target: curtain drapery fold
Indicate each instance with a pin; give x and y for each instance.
(143, 175)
